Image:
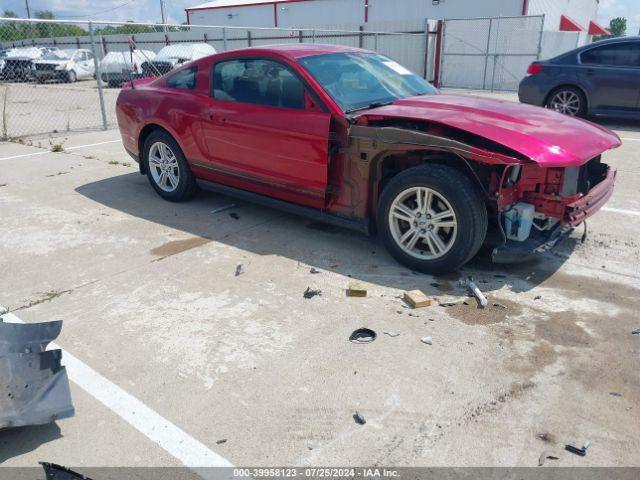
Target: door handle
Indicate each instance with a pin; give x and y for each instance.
(215, 118)
(590, 71)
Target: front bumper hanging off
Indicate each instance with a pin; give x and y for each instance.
(537, 243)
(34, 385)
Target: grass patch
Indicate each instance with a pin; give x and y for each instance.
(57, 147)
(114, 162)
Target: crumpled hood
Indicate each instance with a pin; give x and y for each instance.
(52, 62)
(542, 135)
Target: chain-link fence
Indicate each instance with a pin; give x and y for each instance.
(64, 76)
(489, 53)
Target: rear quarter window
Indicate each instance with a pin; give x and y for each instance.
(184, 79)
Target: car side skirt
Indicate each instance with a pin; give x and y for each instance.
(358, 224)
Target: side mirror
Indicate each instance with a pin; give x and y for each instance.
(310, 103)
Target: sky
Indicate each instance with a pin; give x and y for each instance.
(149, 10)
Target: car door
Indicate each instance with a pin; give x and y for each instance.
(264, 131)
(611, 75)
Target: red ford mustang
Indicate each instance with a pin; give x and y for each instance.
(350, 137)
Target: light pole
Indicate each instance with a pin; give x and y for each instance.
(28, 12)
(164, 18)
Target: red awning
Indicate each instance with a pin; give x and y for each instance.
(568, 24)
(596, 29)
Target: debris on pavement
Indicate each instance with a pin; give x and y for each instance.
(356, 290)
(224, 208)
(239, 270)
(416, 299)
(499, 305)
(310, 293)
(546, 437)
(636, 332)
(615, 394)
(234, 215)
(359, 418)
(391, 334)
(35, 385)
(427, 340)
(53, 471)
(578, 451)
(221, 441)
(450, 301)
(314, 270)
(537, 297)
(473, 288)
(362, 335)
(546, 455)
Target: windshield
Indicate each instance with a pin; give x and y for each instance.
(176, 52)
(364, 80)
(56, 55)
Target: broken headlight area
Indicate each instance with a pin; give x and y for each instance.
(34, 387)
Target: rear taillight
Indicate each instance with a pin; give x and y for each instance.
(534, 69)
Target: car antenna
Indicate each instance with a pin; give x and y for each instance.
(132, 41)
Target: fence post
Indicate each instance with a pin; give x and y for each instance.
(249, 41)
(540, 38)
(437, 67)
(375, 41)
(313, 40)
(300, 37)
(361, 37)
(495, 60)
(486, 55)
(96, 65)
(224, 38)
(425, 70)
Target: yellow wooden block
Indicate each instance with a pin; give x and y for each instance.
(416, 299)
(356, 290)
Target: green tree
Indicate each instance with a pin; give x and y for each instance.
(618, 27)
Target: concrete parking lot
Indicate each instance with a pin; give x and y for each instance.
(175, 359)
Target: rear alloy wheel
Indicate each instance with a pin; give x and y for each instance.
(167, 168)
(432, 218)
(71, 76)
(567, 100)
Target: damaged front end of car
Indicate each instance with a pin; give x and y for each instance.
(540, 206)
(34, 387)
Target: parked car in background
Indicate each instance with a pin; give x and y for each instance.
(350, 137)
(602, 78)
(174, 55)
(18, 64)
(65, 66)
(119, 67)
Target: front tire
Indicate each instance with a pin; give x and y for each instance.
(71, 76)
(568, 101)
(432, 218)
(167, 168)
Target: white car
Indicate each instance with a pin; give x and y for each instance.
(18, 62)
(119, 67)
(172, 55)
(65, 65)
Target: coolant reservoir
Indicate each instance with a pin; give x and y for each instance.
(518, 220)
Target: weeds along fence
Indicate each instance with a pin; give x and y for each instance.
(63, 76)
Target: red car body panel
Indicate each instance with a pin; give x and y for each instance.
(542, 135)
(320, 157)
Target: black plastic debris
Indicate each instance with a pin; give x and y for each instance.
(221, 441)
(578, 451)
(239, 270)
(362, 335)
(546, 455)
(314, 270)
(359, 418)
(34, 384)
(58, 472)
(636, 332)
(234, 215)
(310, 293)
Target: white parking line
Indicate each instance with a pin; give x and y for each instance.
(66, 149)
(635, 213)
(628, 139)
(169, 437)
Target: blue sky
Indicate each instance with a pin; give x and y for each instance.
(149, 10)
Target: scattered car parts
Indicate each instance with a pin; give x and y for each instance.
(35, 385)
(578, 451)
(363, 335)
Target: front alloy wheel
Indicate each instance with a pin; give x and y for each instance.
(432, 218)
(423, 223)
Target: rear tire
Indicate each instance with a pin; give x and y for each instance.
(167, 168)
(432, 218)
(568, 101)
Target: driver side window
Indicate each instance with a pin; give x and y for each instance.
(259, 82)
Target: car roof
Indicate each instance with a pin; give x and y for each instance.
(299, 50)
